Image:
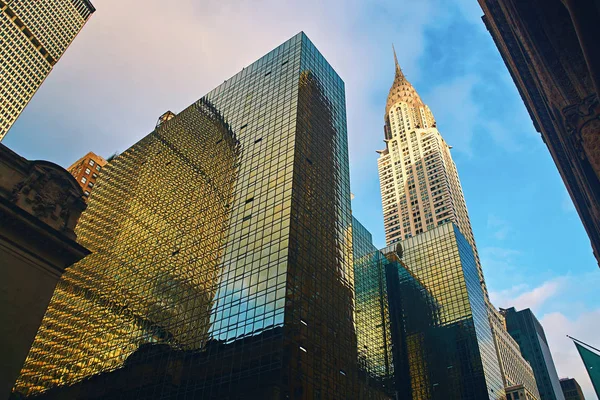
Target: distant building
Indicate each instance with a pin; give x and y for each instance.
(571, 389)
(515, 369)
(40, 204)
(524, 327)
(519, 392)
(35, 34)
(551, 50)
(86, 171)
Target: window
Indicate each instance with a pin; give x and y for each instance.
(92, 163)
(87, 171)
(98, 168)
(91, 184)
(86, 193)
(83, 180)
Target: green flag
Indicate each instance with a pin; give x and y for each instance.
(591, 361)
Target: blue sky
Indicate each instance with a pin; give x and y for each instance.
(134, 61)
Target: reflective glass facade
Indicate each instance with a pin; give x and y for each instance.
(222, 263)
(465, 364)
(373, 328)
(33, 37)
(424, 297)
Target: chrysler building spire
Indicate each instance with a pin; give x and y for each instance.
(420, 187)
(402, 92)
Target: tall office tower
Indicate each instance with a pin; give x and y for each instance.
(466, 365)
(571, 389)
(86, 171)
(419, 182)
(34, 35)
(524, 327)
(421, 317)
(550, 48)
(224, 268)
(420, 188)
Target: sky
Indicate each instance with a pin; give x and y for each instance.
(136, 59)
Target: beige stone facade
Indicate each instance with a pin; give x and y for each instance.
(515, 369)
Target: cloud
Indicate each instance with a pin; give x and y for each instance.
(584, 327)
(560, 303)
(522, 296)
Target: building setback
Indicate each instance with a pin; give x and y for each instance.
(35, 34)
(86, 171)
(524, 327)
(226, 266)
(550, 48)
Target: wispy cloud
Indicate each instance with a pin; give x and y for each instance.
(522, 296)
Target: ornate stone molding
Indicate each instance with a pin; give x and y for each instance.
(582, 122)
(42, 189)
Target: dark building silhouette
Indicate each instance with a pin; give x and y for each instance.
(551, 50)
(524, 327)
(571, 389)
(40, 203)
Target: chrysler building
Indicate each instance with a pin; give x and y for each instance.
(419, 182)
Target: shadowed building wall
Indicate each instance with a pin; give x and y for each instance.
(524, 327)
(40, 204)
(550, 48)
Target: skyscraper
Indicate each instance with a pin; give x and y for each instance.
(419, 181)
(394, 313)
(421, 317)
(226, 267)
(524, 327)
(34, 35)
(461, 355)
(421, 190)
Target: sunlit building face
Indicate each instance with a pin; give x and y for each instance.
(222, 259)
(33, 37)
